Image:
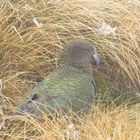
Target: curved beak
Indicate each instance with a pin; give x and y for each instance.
(95, 58)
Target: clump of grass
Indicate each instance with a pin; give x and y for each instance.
(31, 39)
(113, 123)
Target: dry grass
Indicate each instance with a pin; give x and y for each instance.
(110, 124)
(28, 53)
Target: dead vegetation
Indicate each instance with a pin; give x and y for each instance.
(32, 34)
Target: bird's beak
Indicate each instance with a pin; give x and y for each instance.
(95, 58)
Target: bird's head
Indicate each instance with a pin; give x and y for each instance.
(80, 53)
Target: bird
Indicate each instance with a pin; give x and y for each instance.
(71, 86)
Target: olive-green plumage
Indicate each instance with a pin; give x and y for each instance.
(69, 86)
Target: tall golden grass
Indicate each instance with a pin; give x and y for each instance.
(29, 52)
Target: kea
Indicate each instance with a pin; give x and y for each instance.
(70, 86)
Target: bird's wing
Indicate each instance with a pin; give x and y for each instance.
(35, 102)
(60, 88)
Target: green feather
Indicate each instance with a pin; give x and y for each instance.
(69, 86)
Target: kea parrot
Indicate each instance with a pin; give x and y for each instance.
(70, 86)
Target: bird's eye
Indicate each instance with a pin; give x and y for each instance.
(86, 50)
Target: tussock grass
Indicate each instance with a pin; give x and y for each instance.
(113, 123)
(28, 53)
